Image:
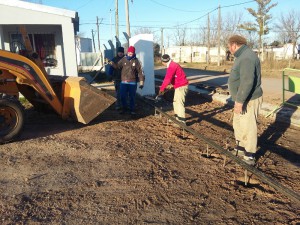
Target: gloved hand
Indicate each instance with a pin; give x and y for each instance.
(141, 84)
(107, 61)
(160, 93)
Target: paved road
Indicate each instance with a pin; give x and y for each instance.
(272, 87)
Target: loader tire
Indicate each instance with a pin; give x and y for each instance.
(11, 119)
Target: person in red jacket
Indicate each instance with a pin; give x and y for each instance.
(177, 78)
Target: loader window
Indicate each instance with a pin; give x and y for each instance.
(45, 47)
(16, 43)
(43, 44)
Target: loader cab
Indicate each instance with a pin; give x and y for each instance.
(42, 44)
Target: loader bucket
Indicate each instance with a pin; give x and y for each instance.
(82, 101)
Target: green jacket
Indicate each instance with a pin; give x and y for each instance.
(245, 76)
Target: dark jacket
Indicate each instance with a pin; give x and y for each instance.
(245, 77)
(115, 72)
(131, 70)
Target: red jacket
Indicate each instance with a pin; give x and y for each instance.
(175, 75)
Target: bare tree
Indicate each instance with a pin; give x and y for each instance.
(203, 35)
(213, 32)
(198, 37)
(250, 33)
(142, 30)
(230, 25)
(282, 37)
(262, 19)
(289, 25)
(180, 35)
(146, 30)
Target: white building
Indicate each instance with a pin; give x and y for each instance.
(284, 52)
(194, 53)
(51, 31)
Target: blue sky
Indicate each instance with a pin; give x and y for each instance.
(156, 13)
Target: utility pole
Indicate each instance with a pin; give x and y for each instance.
(127, 18)
(93, 35)
(99, 40)
(162, 50)
(208, 40)
(262, 38)
(219, 37)
(98, 33)
(117, 18)
(110, 25)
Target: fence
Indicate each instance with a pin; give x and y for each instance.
(290, 83)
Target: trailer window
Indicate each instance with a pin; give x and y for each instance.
(196, 54)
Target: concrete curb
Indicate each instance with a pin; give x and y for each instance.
(283, 114)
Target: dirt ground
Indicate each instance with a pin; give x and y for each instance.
(141, 170)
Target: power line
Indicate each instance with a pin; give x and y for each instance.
(175, 8)
(85, 4)
(242, 3)
(174, 28)
(210, 12)
(196, 19)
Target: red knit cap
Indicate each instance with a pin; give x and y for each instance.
(131, 49)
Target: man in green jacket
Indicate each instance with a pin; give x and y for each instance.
(246, 92)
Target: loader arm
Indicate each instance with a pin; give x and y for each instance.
(33, 56)
(27, 73)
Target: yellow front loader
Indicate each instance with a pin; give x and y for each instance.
(69, 97)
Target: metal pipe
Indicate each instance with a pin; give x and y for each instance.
(263, 177)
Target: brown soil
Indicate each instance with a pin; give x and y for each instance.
(124, 170)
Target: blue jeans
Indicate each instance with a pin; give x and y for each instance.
(118, 95)
(128, 89)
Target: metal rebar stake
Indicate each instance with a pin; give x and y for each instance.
(246, 177)
(225, 158)
(207, 153)
(160, 115)
(227, 148)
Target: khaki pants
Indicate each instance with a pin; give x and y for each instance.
(245, 125)
(179, 101)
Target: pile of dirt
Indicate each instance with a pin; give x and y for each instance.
(140, 170)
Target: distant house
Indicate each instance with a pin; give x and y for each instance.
(51, 31)
(86, 57)
(283, 52)
(194, 53)
(86, 44)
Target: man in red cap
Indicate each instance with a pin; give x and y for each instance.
(131, 74)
